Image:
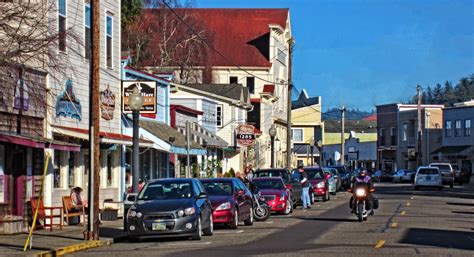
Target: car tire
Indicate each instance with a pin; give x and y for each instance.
(209, 231)
(198, 233)
(133, 239)
(235, 222)
(440, 188)
(249, 221)
(311, 197)
(288, 208)
(451, 185)
(326, 197)
(416, 188)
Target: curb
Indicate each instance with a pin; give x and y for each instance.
(75, 248)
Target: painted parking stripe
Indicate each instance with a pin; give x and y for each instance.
(268, 222)
(403, 213)
(184, 244)
(380, 244)
(394, 224)
(408, 204)
(228, 232)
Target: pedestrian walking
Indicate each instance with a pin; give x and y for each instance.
(248, 173)
(305, 185)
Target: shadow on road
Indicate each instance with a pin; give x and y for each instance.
(464, 192)
(330, 219)
(463, 212)
(461, 204)
(439, 238)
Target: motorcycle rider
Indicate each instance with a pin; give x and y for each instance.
(363, 177)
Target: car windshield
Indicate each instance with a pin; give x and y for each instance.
(218, 188)
(272, 174)
(441, 166)
(269, 184)
(314, 173)
(428, 171)
(164, 190)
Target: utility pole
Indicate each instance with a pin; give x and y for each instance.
(188, 148)
(94, 119)
(418, 152)
(288, 112)
(343, 143)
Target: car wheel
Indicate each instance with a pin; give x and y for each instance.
(133, 239)
(416, 188)
(249, 221)
(235, 222)
(198, 233)
(311, 197)
(440, 188)
(210, 229)
(451, 185)
(288, 207)
(326, 196)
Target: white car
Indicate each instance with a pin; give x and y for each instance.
(428, 177)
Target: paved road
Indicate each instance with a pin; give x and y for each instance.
(407, 223)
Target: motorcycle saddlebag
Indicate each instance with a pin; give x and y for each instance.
(376, 203)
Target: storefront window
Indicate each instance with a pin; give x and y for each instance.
(109, 168)
(57, 169)
(3, 189)
(71, 170)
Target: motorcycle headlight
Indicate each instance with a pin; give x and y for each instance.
(282, 196)
(189, 211)
(360, 192)
(320, 185)
(223, 206)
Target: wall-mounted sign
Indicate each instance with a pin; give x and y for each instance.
(245, 135)
(148, 92)
(107, 104)
(67, 104)
(21, 98)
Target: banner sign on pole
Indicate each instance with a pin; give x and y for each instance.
(148, 92)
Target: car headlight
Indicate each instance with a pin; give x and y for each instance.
(360, 192)
(223, 206)
(282, 196)
(189, 211)
(132, 213)
(320, 185)
(180, 213)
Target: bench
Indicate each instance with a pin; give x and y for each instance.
(71, 210)
(37, 203)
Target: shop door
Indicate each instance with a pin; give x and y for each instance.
(18, 174)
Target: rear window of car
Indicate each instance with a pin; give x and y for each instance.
(269, 184)
(314, 173)
(272, 174)
(441, 166)
(428, 171)
(218, 188)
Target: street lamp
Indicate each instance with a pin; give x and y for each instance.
(311, 145)
(272, 131)
(319, 145)
(135, 102)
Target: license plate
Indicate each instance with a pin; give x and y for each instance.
(158, 226)
(428, 178)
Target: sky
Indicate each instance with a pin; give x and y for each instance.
(360, 53)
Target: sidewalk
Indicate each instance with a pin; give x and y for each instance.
(58, 242)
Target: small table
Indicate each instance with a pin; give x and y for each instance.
(51, 217)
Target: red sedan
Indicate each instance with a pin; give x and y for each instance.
(318, 181)
(276, 194)
(231, 201)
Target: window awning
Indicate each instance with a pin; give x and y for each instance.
(204, 137)
(38, 142)
(304, 150)
(105, 137)
(455, 150)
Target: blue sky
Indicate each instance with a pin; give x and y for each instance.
(359, 53)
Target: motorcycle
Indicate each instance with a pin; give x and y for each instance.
(358, 202)
(261, 210)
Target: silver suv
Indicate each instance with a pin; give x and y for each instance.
(447, 173)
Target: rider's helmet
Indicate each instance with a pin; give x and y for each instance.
(362, 172)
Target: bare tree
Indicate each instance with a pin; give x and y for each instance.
(160, 41)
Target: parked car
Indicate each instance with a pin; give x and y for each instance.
(344, 175)
(231, 201)
(292, 182)
(276, 194)
(428, 177)
(332, 182)
(337, 178)
(403, 176)
(171, 208)
(387, 176)
(447, 172)
(376, 176)
(320, 185)
(128, 201)
(459, 176)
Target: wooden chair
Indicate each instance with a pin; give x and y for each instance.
(37, 202)
(71, 210)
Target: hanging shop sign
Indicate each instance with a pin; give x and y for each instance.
(148, 92)
(67, 104)
(107, 104)
(245, 135)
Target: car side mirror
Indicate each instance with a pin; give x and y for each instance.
(289, 187)
(202, 196)
(131, 197)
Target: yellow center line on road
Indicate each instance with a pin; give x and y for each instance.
(403, 213)
(408, 204)
(412, 198)
(380, 244)
(394, 224)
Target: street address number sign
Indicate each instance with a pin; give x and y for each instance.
(245, 135)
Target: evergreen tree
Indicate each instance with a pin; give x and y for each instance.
(449, 98)
(130, 10)
(429, 95)
(437, 94)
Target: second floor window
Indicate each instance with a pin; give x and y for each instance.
(219, 116)
(457, 131)
(87, 31)
(62, 25)
(233, 80)
(251, 84)
(108, 43)
(448, 129)
(382, 136)
(393, 136)
(297, 135)
(405, 132)
(467, 127)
